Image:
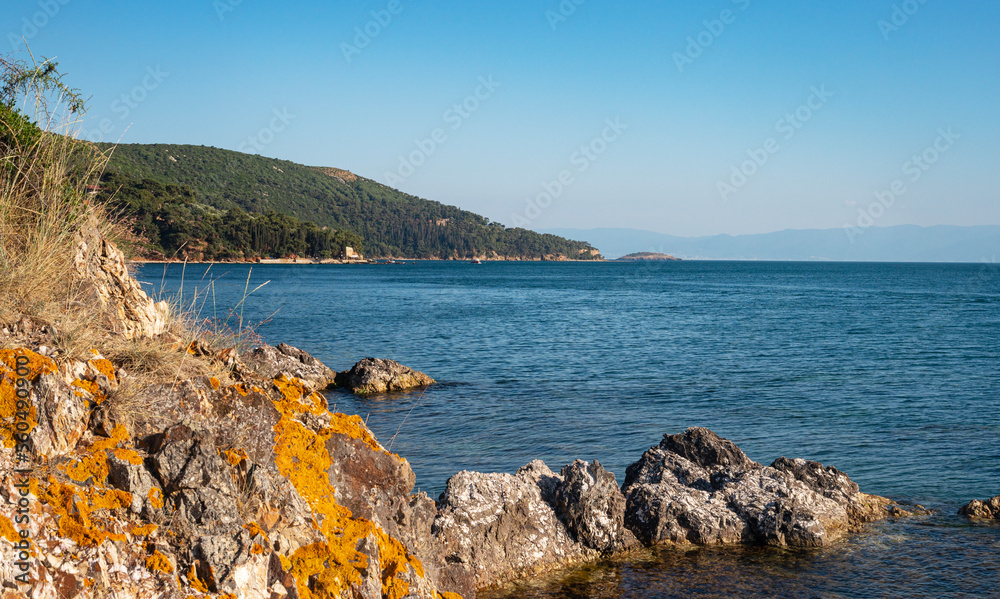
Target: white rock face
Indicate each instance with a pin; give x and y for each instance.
(128, 309)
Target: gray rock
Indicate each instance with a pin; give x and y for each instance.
(501, 528)
(195, 479)
(134, 479)
(372, 375)
(988, 509)
(270, 362)
(592, 506)
(218, 555)
(699, 488)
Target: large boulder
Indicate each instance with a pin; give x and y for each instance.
(988, 509)
(372, 375)
(503, 527)
(701, 489)
(270, 362)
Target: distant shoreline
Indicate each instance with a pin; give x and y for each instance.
(373, 262)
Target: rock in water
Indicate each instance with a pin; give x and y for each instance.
(502, 527)
(372, 375)
(699, 488)
(271, 362)
(592, 506)
(989, 509)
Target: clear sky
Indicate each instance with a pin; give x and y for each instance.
(729, 116)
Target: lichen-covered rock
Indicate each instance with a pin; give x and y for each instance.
(376, 485)
(270, 362)
(372, 375)
(698, 488)
(987, 509)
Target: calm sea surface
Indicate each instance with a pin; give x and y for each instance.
(890, 372)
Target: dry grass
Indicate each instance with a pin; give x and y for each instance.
(44, 174)
(44, 204)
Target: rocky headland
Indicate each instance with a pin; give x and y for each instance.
(229, 477)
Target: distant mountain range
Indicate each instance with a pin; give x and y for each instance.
(906, 243)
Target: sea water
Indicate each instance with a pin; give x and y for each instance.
(887, 371)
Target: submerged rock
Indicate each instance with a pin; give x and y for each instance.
(699, 488)
(372, 375)
(988, 509)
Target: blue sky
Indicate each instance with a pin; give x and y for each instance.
(700, 95)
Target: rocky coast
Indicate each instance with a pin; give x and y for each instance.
(230, 477)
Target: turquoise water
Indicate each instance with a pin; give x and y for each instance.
(887, 371)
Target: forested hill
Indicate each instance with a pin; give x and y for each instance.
(389, 222)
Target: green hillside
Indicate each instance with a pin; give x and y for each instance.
(182, 194)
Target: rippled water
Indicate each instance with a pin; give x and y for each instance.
(887, 371)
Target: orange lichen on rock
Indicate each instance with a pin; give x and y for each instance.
(7, 530)
(296, 402)
(31, 366)
(255, 530)
(235, 456)
(74, 506)
(256, 549)
(214, 382)
(128, 455)
(104, 367)
(155, 497)
(159, 563)
(302, 457)
(143, 531)
(94, 463)
(447, 595)
(90, 387)
(286, 564)
(194, 582)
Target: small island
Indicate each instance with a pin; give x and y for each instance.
(647, 257)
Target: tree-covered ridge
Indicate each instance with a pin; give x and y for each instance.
(390, 223)
(170, 222)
